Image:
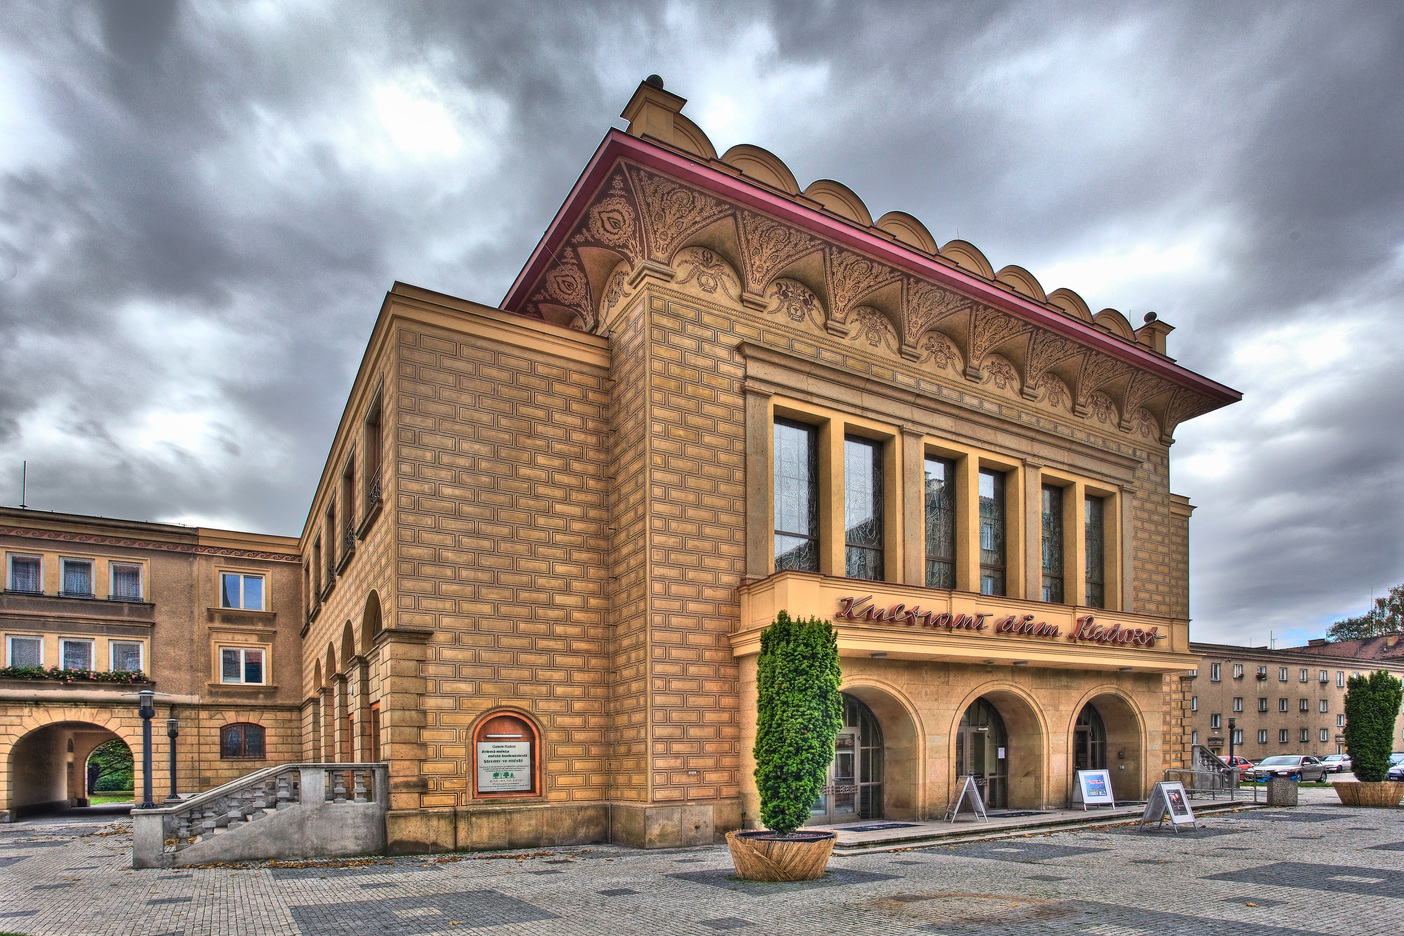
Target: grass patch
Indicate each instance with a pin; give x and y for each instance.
(108, 796)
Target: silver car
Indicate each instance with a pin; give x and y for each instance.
(1337, 763)
(1296, 766)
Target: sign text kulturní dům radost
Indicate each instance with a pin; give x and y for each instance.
(1087, 630)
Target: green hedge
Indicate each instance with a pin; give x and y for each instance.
(1371, 704)
(122, 782)
(122, 677)
(798, 715)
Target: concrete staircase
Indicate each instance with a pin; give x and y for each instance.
(287, 811)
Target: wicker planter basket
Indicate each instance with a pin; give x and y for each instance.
(1386, 794)
(763, 856)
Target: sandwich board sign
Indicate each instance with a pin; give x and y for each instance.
(966, 792)
(1168, 800)
(1093, 788)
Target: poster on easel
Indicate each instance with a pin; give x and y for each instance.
(1168, 800)
(1093, 788)
(967, 793)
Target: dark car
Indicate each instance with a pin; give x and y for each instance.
(1337, 763)
(1396, 767)
(1296, 766)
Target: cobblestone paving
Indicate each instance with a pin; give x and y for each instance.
(1257, 874)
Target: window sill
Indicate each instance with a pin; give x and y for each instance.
(241, 685)
(372, 511)
(242, 758)
(346, 557)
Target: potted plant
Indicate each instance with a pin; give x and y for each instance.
(1371, 704)
(798, 715)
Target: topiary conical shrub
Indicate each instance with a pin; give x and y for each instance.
(799, 714)
(1371, 704)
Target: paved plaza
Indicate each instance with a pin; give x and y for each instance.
(1316, 868)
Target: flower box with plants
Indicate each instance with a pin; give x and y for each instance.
(1371, 704)
(56, 674)
(798, 715)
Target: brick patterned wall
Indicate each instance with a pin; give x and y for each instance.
(500, 519)
(1160, 544)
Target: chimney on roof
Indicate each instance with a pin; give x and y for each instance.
(650, 111)
(1152, 333)
(1317, 642)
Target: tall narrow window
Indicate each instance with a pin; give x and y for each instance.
(862, 510)
(940, 523)
(1052, 543)
(331, 538)
(373, 443)
(317, 566)
(25, 574)
(991, 533)
(796, 497)
(348, 504)
(1093, 509)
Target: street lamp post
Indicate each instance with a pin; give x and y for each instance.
(146, 708)
(173, 732)
(1232, 721)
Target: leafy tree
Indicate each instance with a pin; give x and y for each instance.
(1386, 617)
(799, 714)
(114, 763)
(1371, 704)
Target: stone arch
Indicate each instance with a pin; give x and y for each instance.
(904, 745)
(792, 301)
(317, 678)
(370, 621)
(1029, 734)
(348, 643)
(908, 230)
(331, 667)
(1126, 736)
(41, 773)
(761, 165)
(841, 200)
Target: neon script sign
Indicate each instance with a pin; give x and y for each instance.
(1087, 630)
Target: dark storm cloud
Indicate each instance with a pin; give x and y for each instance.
(201, 206)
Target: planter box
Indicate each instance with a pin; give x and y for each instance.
(1385, 794)
(763, 856)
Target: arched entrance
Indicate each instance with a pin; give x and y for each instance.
(47, 766)
(1089, 740)
(854, 788)
(982, 751)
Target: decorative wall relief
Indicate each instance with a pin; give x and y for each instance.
(941, 352)
(850, 277)
(671, 211)
(708, 272)
(989, 329)
(1001, 373)
(795, 301)
(1101, 408)
(1047, 350)
(869, 326)
(1145, 425)
(925, 305)
(767, 247)
(1098, 370)
(1055, 392)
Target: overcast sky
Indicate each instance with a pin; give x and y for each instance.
(202, 206)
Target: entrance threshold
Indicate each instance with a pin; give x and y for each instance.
(858, 838)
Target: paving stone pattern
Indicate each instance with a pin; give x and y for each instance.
(1105, 883)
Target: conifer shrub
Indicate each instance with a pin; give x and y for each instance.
(1371, 704)
(799, 714)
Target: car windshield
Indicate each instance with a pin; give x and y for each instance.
(1334, 757)
(1396, 758)
(1276, 761)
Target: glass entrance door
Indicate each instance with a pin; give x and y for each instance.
(1089, 741)
(982, 752)
(854, 787)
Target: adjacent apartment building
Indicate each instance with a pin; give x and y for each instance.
(1288, 701)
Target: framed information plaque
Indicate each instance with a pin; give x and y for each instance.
(505, 757)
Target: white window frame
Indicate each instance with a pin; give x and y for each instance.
(1340, 679)
(1238, 703)
(1262, 736)
(92, 575)
(1216, 721)
(1194, 737)
(112, 656)
(1325, 707)
(1262, 704)
(10, 647)
(1305, 736)
(1282, 674)
(242, 650)
(10, 571)
(1238, 736)
(112, 579)
(92, 651)
(242, 575)
(1304, 705)
(1325, 735)
(1194, 703)
(1324, 676)
(1340, 721)
(1214, 672)
(1282, 736)
(1304, 675)
(1282, 705)
(1238, 671)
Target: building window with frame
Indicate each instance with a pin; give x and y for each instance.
(1282, 705)
(1340, 721)
(1262, 736)
(1304, 675)
(77, 578)
(331, 539)
(1216, 721)
(862, 508)
(1282, 736)
(372, 448)
(242, 740)
(1238, 704)
(1282, 674)
(1303, 705)
(1238, 671)
(1324, 677)
(1238, 736)
(126, 582)
(1325, 707)
(940, 522)
(796, 497)
(348, 504)
(1306, 735)
(1340, 679)
(1262, 704)
(1325, 735)
(125, 656)
(1052, 550)
(1094, 540)
(1194, 737)
(991, 532)
(27, 575)
(76, 654)
(1214, 672)
(242, 666)
(241, 590)
(24, 650)
(1262, 672)
(1194, 703)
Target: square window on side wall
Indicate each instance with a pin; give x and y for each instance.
(26, 575)
(126, 582)
(241, 590)
(126, 656)
(76, 654)
(241, 666)
(24, 650)
(77, 578)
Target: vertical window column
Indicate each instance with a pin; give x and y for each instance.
(1094, 551)
(796, 496)
(993, 532)
(1051, 553)
(939, 521)
(864, 507)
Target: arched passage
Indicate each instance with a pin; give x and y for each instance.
(47, 766)
(370, 622)
(1121, 748)
(878, 770)
(1013, 774)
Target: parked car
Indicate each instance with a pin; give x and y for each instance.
(1297, 766)
(1338, 763)
(1244, 765)
(1396, 767)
